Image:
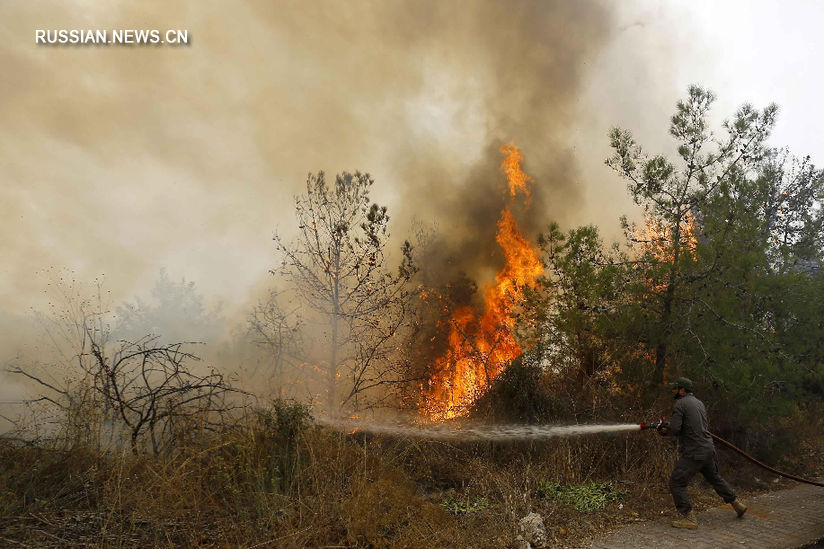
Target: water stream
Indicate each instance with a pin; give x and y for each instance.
(474, 432)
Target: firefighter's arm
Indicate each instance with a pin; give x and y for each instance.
(676, 422)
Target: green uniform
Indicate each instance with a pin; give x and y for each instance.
(689, 424)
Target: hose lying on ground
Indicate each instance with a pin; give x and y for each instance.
(764, 465)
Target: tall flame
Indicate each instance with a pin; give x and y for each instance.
(480, 348)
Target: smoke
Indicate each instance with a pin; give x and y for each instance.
(128, 159)
(516, 70)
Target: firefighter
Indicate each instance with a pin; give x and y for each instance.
(697, 454)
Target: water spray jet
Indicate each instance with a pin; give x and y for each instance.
(512, 432)
(475, 432)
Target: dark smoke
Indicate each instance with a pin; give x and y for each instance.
(122, 158)
(127, 160)
(523, 64)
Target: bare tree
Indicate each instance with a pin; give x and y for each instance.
(143, 387)
(278, 332)
(338, 265)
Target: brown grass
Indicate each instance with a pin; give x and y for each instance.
(263, 486)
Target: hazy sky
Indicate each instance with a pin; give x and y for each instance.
(120, 161)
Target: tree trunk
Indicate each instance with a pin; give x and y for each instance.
(333, 364)
(333, 355)
(278, 366)
(666, 311)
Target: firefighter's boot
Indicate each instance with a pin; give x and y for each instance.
(686, 521)
(739, 507)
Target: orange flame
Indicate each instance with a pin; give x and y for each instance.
(480, 348)
(658, 238)
(511, 166)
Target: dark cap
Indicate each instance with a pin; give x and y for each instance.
(682, 382)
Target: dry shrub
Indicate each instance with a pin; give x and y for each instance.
(228, 489)
(385, 512)
(33, 478)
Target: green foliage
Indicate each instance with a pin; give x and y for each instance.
(276, 435)
(257, 468)
(674, 197)
(465, 506)
(724, 282)
(284, 421)
(584, 282)
(582, 497)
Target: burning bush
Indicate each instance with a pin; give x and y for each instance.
(481, 345)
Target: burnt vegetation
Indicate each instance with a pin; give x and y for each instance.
(130, 440)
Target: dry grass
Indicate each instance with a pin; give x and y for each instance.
(268, 486)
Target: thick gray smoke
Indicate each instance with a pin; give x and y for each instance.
(125, 160)
(518, 68)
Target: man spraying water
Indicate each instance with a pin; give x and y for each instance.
(697, 454)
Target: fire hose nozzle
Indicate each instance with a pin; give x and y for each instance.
(653, 424)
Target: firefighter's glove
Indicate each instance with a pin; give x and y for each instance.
(664, 429)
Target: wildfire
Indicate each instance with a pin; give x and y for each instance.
(658, 238)
(480, 347)
(515, 177)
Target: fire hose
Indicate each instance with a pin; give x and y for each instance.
(659, 425)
